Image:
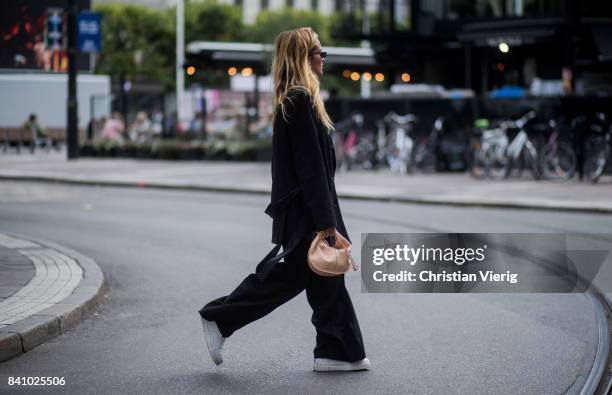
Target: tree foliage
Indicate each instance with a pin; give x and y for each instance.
(139, 42)
(270, 23)
(136, 41)
(209, 21)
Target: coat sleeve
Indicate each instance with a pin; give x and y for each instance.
(309, 162)
(339, 219)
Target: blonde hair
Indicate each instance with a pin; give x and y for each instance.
(291, 71)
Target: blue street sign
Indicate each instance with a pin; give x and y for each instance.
(88, 26)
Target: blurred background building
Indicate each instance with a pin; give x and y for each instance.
(431, 57)
(33, 66)
(250, 9)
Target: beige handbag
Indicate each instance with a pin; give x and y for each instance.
(326, 260)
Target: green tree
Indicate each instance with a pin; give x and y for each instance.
(209, 21)
(137, 42)
(205, 20)
(270, 23)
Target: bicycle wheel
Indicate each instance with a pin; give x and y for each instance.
(498, 162)
(595, 163)
(530, 155)
(392, 152)
(558, 161)
(407, 155)
(362, 159)
(424, 158)
(477, 163)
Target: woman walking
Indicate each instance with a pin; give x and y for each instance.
(303, 202)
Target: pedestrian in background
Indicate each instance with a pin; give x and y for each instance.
(303, 202)
(140, 130)
(113, 128)
(38, 134)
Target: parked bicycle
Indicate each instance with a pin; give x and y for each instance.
(557, 157)
(487, 151)
(596, 144)
(399, 142)
(521, 153)
(354, 146)
(440, 150)
(496, 155)
(427, 155)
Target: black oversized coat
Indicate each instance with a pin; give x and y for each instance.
(304, 195)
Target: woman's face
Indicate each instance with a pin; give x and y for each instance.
(316, 61)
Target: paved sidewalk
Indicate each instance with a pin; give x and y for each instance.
(45, 290)
(447, 188)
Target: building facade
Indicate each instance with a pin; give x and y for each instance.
(250, 8)
(487, 44)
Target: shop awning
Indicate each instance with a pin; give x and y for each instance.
(227, 54)
(515, 32)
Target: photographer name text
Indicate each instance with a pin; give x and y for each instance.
(449, 256)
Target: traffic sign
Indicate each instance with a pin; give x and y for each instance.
(88, 26)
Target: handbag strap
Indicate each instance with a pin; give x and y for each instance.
(271, 259)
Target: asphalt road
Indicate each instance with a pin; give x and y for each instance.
(166, 253)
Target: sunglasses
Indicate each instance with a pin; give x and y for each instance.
(322, 53)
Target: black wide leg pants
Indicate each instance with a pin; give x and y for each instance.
(338, 333)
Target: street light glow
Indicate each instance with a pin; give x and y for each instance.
(367, 76)
(406, 77)
(232, 71)
(247, 71)
(191, 70)
(504, 47)
(346, 73)
(355, 76)
(379, 77)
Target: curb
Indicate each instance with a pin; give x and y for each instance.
(493, 203)
(53, 321)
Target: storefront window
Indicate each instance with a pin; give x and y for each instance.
(542, 7)
(596, 9)
(399, 10)
(460, 9)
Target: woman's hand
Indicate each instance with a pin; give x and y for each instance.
(329, 232)
(329, 235)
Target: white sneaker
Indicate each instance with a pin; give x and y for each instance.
(330, 365)
(214, 340)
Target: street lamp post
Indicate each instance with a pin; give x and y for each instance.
(365, 30)
(72, 129)
(180, 59)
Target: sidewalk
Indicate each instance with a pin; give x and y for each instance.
(251, 177)
(45, 290)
